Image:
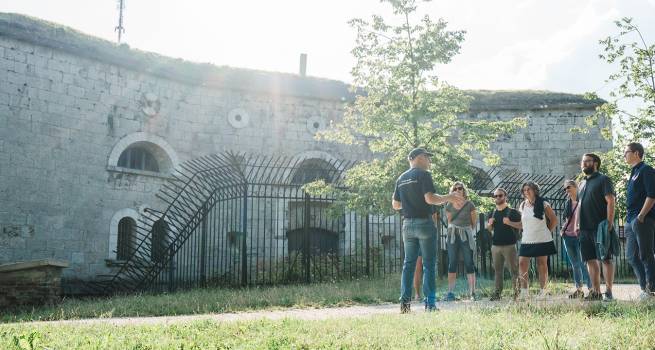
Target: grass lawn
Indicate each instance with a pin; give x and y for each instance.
(203, 301)
(524, 326)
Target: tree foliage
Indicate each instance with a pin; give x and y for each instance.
(634, 58)
(403, 104)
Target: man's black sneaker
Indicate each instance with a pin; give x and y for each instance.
(495, 297)
(577, 294)
(593, 296)
(608, 296)
(431, 308)
(405, 308)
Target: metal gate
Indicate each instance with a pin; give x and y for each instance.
(235, 220)
(238, 220)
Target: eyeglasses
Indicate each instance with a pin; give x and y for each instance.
(458, 188)
(499, 195)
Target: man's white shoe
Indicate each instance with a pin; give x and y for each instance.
(543, 295)
(645, 296)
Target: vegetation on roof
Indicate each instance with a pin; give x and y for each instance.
(528, 99)
(48, 34)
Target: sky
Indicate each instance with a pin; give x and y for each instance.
(518, 44)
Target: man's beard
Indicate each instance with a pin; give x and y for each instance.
(587, 170)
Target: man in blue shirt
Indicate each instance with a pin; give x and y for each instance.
(414, 193)
(640, 221)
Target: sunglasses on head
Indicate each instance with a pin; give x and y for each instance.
(499, 195)
(458, 188)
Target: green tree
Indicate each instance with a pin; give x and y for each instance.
(404, 105)
(634, 58)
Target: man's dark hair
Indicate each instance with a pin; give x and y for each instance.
(637, 148)
(593, 156)
(501, 190)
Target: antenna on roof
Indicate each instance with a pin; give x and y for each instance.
(119, 28)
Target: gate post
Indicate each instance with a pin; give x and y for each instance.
(244, 225)
(368, 246)
(171, 270)
(203, 247)
(482, 248)
(306, 247)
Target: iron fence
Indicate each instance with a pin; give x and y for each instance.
(553, 192)
(233, 220)
(278, 234)
(558, 264)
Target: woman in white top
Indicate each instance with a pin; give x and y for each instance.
(538, 220)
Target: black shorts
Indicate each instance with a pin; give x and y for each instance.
(588, 247)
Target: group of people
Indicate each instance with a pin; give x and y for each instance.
(520, 234)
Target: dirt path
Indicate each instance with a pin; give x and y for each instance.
(624, 292)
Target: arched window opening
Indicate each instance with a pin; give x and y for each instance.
(158, 241)
(126, 238)
(313, 170)
(138, 158)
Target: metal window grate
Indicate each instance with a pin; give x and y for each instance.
(126, 238)
(138, 158)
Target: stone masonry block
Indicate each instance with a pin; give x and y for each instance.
(13, 54)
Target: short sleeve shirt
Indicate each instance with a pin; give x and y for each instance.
(503, 234)
(641, 185)
(462, 219)
(410, 189)
(591, 194)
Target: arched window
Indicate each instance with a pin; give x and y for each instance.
(126, 238)
(314, 169)
(142, 151)
(158, 241)
(138, 158)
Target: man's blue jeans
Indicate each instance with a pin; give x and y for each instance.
(419, 234)
(580, 273)
(639, 250)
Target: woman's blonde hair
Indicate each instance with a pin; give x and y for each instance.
(465, 192)
(570, 183)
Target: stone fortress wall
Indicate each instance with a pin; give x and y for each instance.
(71, 105)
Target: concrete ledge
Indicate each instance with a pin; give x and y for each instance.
(31, 282)
(25, 265)
(128, 171)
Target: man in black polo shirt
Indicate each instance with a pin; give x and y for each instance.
(597, 200)
(414, 193)
(503, 223)
(640, 222)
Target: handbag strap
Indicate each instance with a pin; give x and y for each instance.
(452, 218)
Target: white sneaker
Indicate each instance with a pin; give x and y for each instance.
(543, 295)
(523, 295)
(645, 296)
